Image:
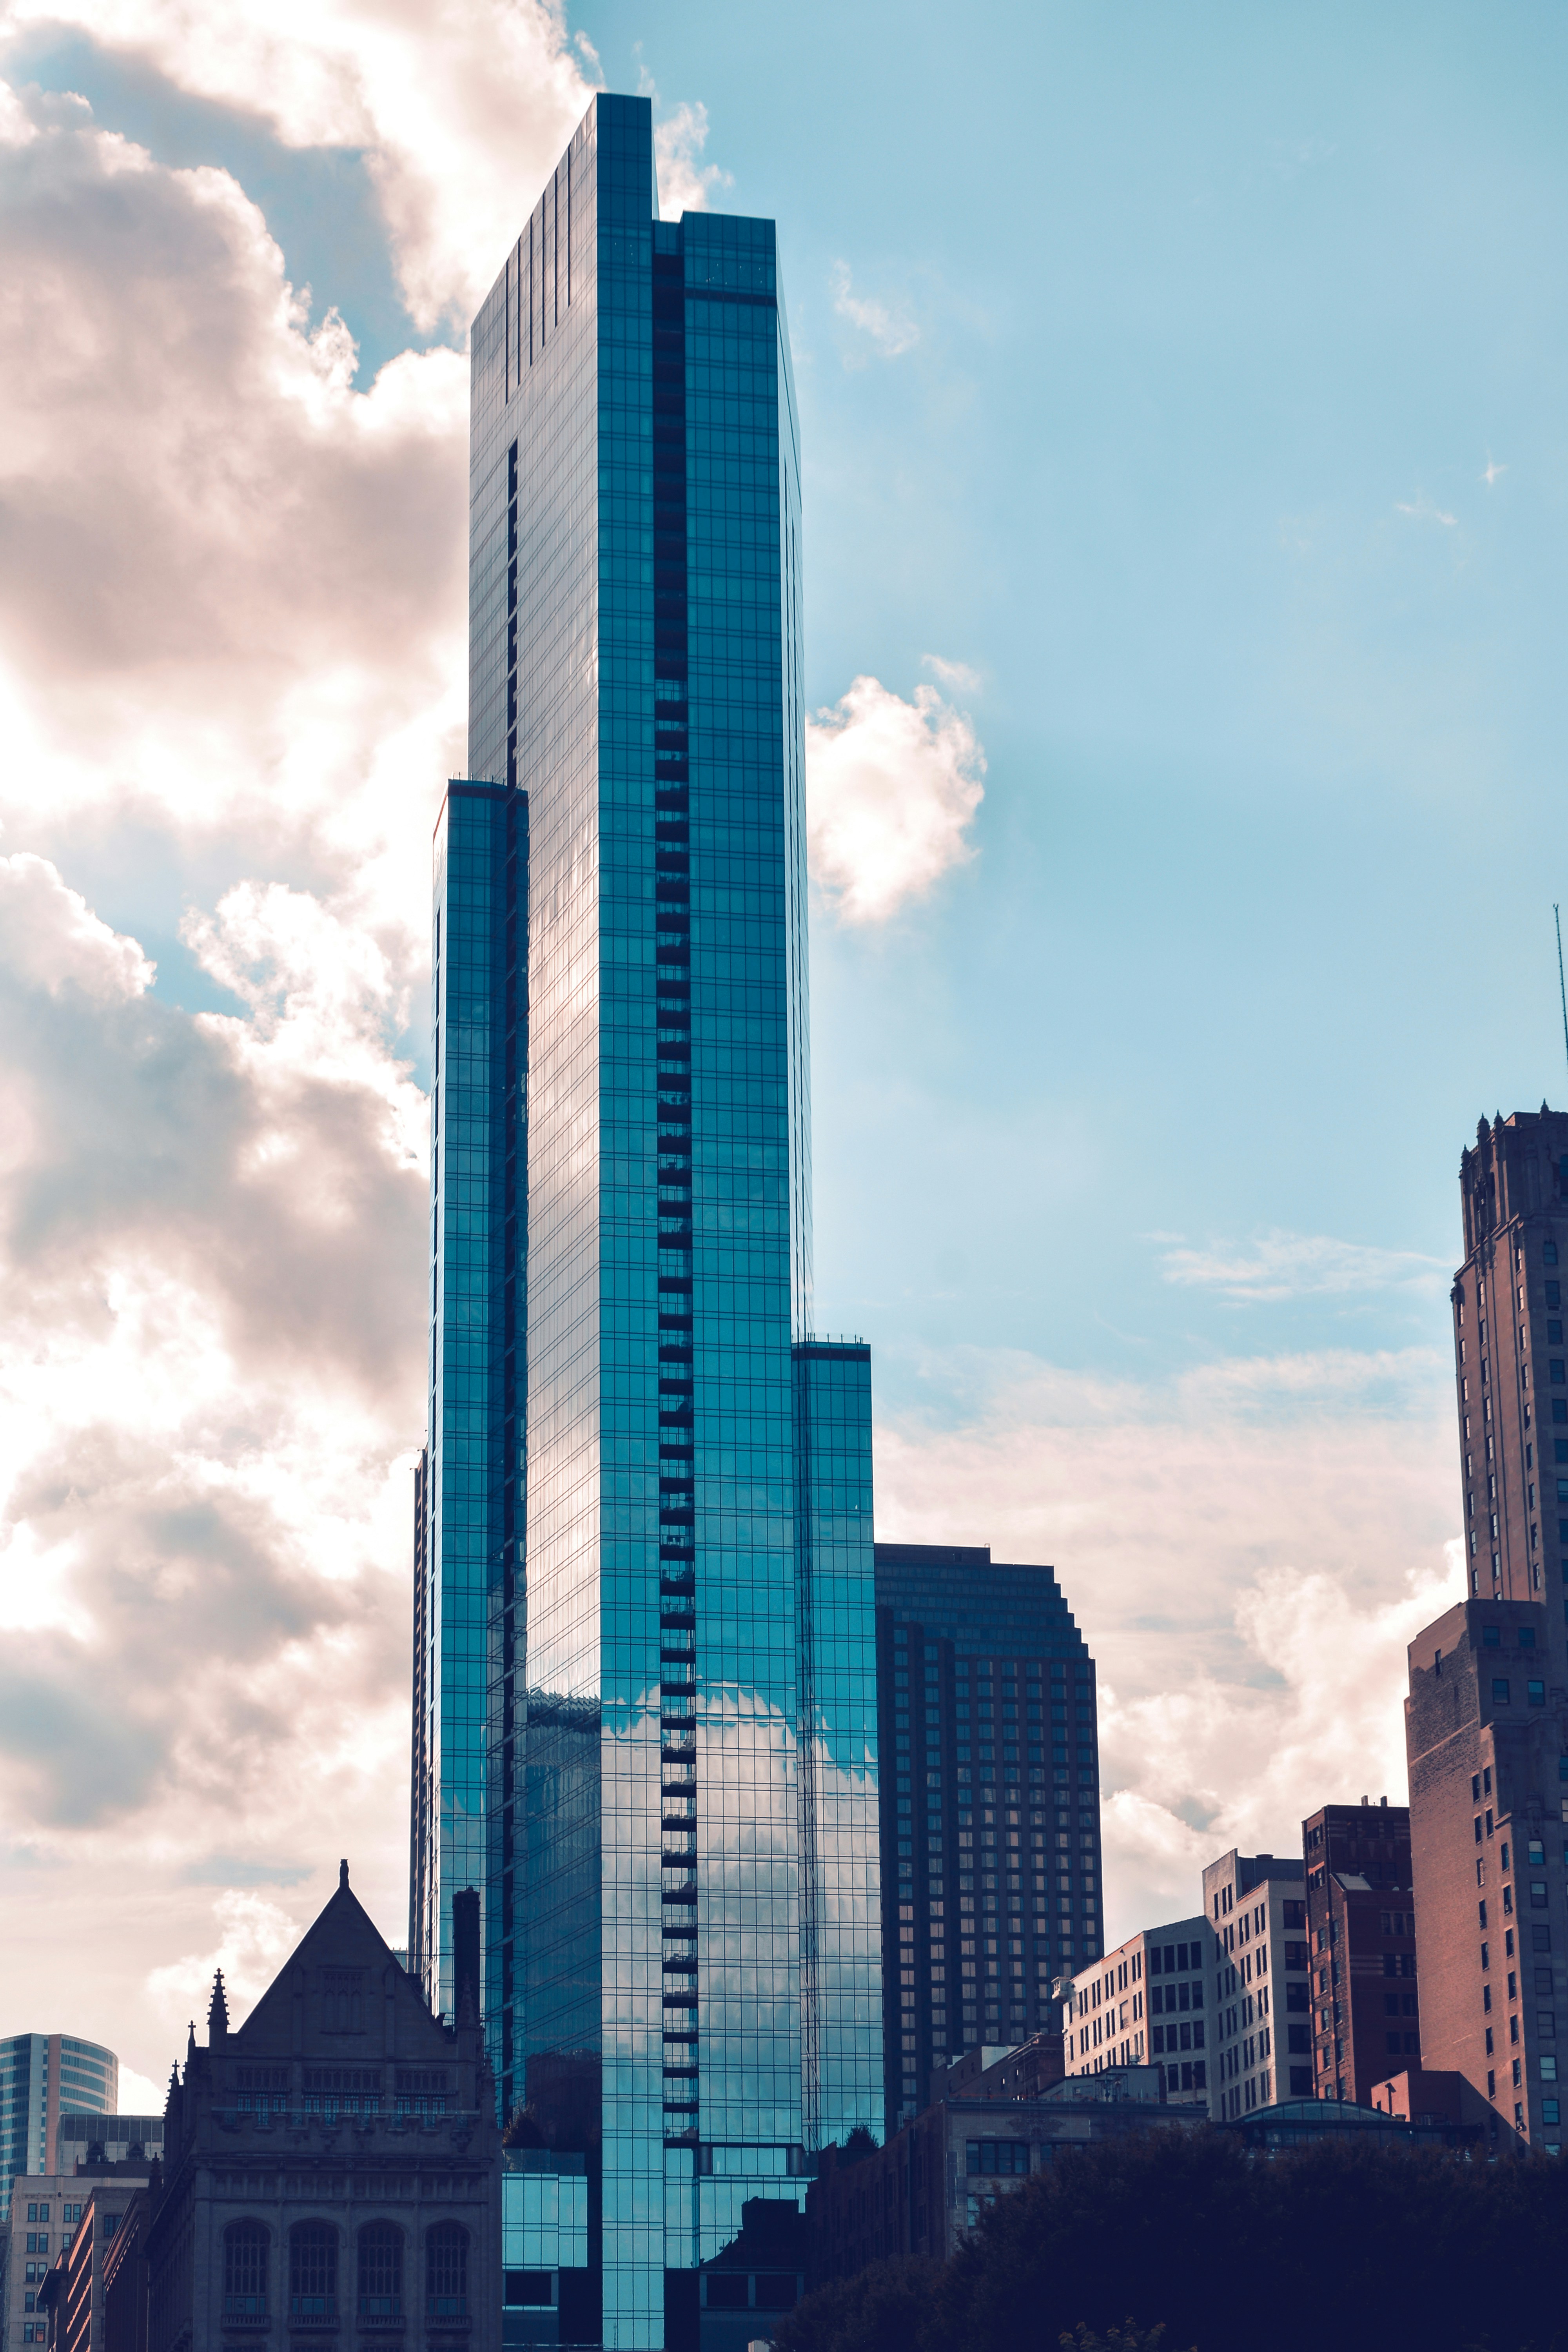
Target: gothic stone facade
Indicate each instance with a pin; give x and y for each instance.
(331, 2170)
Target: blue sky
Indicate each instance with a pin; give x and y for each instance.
(1190, 384)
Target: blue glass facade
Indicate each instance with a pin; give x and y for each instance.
(646, 1700)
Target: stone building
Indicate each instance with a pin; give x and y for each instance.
(982, 2137)
(332, 2168)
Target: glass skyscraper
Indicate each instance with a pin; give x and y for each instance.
(645, 1703)
(44, 2076)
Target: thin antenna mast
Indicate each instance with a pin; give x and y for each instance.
(1561, 988)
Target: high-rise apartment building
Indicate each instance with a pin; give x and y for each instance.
(990, 1804)
(1487, 1718)
(645, 1681)
(1510, 1366)
(1360, 1926)
(44, 2076)
(1261, 2036)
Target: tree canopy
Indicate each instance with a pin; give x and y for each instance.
(1227, 2251)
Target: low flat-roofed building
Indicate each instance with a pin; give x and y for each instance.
(1432, 2095)
(1301, 2123)
(975, 2142)
(85, 2138)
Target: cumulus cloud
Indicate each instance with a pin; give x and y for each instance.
(891, 786)
(459, 112)
(1247, 1549)
(254, 1938)
(1299, 1265)
(211, 1244)
(685, 182)
(234, 601)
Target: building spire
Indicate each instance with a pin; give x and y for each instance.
(218, 2009)
(342, 1873)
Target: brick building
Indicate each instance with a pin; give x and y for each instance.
(1487, 1718)
(1488, 1733)
(125, 2279)
(81, 2324)
(1361, 1922)
(335, 2162)
(1510, 1369)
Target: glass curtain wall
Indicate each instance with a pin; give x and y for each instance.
(636, 719)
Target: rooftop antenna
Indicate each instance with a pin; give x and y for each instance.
(1562, 989)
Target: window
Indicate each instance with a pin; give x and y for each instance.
(380, 2271)
(997, 2158)
(446, 2272)
(312, 2271)
(537, 2288)
(1535, 1693)
(245, 2245)
(1499, 1690)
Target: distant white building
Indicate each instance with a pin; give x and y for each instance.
(1149, 2002)
(1260, 2036)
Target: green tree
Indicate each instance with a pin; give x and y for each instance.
(882, 2309)
(1128, 2337)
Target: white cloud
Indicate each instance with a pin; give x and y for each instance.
(957, 677)
(685, 182)
(1423, 509)
(1247, 1550)
(139, 2094)
(459, 111)
(234, 608)
(210, 1384)
(1299, 1265)
(1492, 472)
(255, 1936)
(891, 330)
(891, 787)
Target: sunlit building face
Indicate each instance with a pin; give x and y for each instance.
(646, 1690)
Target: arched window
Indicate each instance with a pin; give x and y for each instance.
(446, 2272)
(245, 2245)
(380, 2271)
(312, 2271)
